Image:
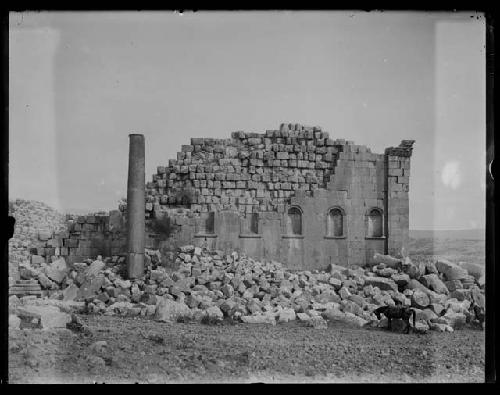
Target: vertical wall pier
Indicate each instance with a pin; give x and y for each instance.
(136, 206)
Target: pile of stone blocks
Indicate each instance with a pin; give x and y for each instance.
(211, 285)
(251, 172)
(85, 236)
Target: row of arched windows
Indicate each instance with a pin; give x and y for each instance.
(335, 222)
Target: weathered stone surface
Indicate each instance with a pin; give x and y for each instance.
(451, 270)
(170, 311)
(259, 319)
(286, 315)
(415, 271)
(436, 308)
(438, 327)
(90, 287)
(419, 299)
(474, 269)
(14, 321)
(214, 313)
(421, 327)
(455, 320)
(303, 317)
(317, 323)
(70, 293)
(49, 316)
(433, 282)
(95, 268)
(384, 284)
(401, 279)
(335, 282)
(388, 260)
(430, 268)
(57, 270)
(478, 297)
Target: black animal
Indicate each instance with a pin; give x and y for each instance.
(401, 312)
(479, 314)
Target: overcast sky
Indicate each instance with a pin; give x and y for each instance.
(80, 82)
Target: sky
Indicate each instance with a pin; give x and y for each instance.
(81, 82)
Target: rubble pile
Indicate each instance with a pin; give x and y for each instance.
(210, 286)
(35, 221)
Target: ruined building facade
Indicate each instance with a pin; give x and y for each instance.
(293, 194)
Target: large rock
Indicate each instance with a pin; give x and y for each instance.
(214, 313)
(169, 311)
(451, 270)
(49, 316)
(425, 315)
(438, 327)
(337, 284)
(317, 323)
(57, 270)
(388, 260)
(478, 297)
(437, 308)
(415, 270)
(384, 284)
(259, 319)
(70, 293)
(90, 287)
(453, 285)
(455, 320)
(95, 268)
(419, 299)
(457, 306)
(433, 282)
(401, 279)
(474, 269)
(14, 321)
(286, 315)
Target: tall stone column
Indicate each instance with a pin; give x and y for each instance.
(136, 206)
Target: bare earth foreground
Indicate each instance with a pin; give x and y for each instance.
(145, 351)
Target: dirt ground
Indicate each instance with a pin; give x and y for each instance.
(144, 351)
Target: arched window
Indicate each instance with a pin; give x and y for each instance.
(375, 223)
(254, 223)
(335, 223)
(209, 222)
(294, 221)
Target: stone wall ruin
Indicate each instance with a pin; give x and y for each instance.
(293, 194)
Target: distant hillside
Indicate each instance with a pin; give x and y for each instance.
(467, 245)
(462, 234)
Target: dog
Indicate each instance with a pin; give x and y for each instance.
(399, 311)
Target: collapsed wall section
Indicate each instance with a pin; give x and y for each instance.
(86, 237)
(249, 173)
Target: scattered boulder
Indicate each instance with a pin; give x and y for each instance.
(455, 320)
(384, 284)
(433, 282)
(14, 321)
(57, 270)
(388, 260)
(286, 315)
(49, 316)
(450, 270)
(214, 313)
(259, 319)
(473, 269)
(169, 311)
(317, 323)
(420, 300)
(70, 293)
